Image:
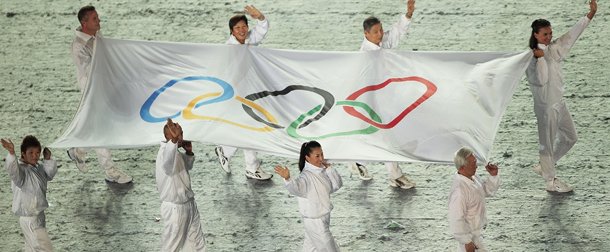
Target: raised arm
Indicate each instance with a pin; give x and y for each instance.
(335, 179)
(12, 167)
(49, 164)
(295, 186)
(393, 36)
(188, 156)
(257, 34)
(170, 149)
(493, 181)
(564, 43)
(538, 70)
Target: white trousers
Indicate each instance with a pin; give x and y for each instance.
(35, 233)
(104, 158)
(480, 245)
(393, 169)
(557, 135)
(181, 227)
(252, 161)
(317, 235)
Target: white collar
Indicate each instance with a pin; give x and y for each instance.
(542, 46)
(85, 36)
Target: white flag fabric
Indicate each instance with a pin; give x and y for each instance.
(380, 105)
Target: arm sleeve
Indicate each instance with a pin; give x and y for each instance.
(257, 34)
(297, 187)
(12, 167)
(538, 72)
(564, 43)
(491, 185)
(82, 59)
(335, 179)
(169, 157)
(457, 218)
(50, 167)
(188, 161)
(396, 33)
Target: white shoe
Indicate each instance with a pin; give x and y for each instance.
(78, 156)
(259, 174)
(115, 176)
(359, 170)
(558, 186)
(402, 182)
(224, 161)
(538, 169)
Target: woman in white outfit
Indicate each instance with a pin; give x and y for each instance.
(313, 188)
(240, 35)
(556, 130)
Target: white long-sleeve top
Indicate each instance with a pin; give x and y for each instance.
(255, 35)
(173, 178)
(391, 37)
(29, 184)
(544, 74)
(467, 206)
(313, 188)
(82, 53)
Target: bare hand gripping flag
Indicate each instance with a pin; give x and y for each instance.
(378, 106)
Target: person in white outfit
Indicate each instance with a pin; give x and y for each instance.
(82, 53)
(29, 183)
(556, 130)
(313, 188)
(240, 35)
(181, 220)
(467, 215)
(376, 39)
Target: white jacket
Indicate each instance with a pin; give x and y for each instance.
(544, 74)
(467, 206)
(82, 53)
(313, 188)
(255, 35)
(173, 178)
(390, 37)
(29, 184)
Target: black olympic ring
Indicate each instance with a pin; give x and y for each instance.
(329, 101)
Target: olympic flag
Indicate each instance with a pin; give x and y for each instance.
(376, 106)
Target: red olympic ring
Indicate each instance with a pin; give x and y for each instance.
(350, 110)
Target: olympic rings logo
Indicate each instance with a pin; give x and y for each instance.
(270, 123)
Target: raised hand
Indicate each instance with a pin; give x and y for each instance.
(538, 53)
(283, 172)
(470, 247)
(254, 13)
(410, 8)
(492, 169)
(46, 153)
(188, 147)
(593, 6)
(325, 163)
(174, 130)
(9, 146)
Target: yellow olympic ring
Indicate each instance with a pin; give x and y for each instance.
(187, 114)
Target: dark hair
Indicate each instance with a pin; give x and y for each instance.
(83, 12)
(536, 26)
(235, 19)
(369, 22)
(306, 149)
(28, 142)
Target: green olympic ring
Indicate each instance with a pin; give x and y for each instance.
(292, 129)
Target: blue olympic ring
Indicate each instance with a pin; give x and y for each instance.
(227, 93)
